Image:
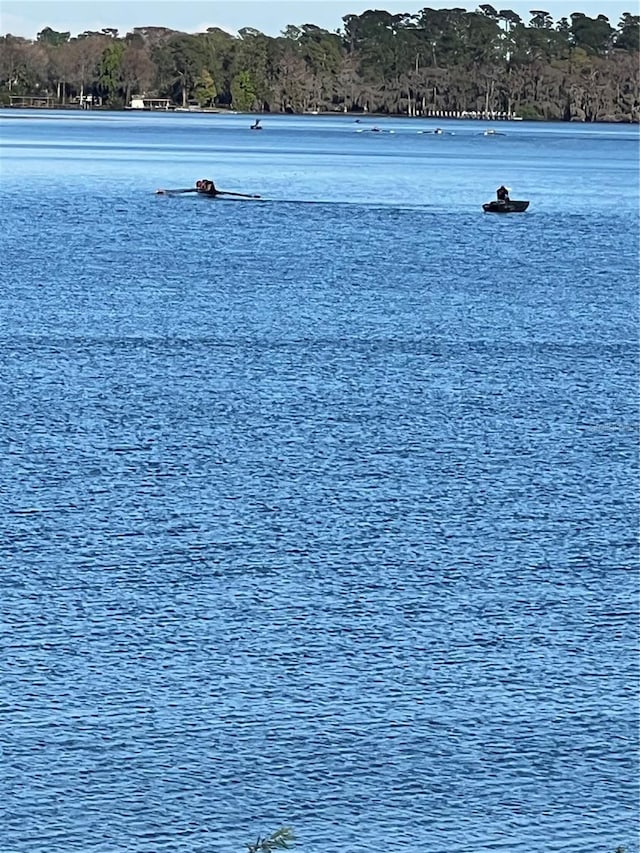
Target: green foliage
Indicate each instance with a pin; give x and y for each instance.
(205, 90)
(292, 32)
(511, 19)
(49, 36)
(628, 36)
(481, 39)
(110, 71)
(593, 34)
(540, 20)
(255, 51)
(320, 49)
(580, 59)
(276, 841)
(488, 10)
(243, 92)
(530, 112)
(181, 60)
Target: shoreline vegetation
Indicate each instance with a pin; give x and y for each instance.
(442, 63)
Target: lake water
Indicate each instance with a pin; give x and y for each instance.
(319, 510)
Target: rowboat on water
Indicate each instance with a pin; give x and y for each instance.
(206, 188)
(438, 132)
(510, 206)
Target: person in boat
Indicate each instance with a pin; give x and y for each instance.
(206, 187)
(502, 193)
(256, 125)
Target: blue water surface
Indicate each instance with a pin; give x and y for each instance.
(321, 509)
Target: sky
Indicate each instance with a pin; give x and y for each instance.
(28, 17)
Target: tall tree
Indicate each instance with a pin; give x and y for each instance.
(110, 76)
(205, 90)
(52, 37)
(540, 20)
(14, 61)
(243, 92)
(628, 34)
(137, 69)
(180, 59)
(85, 53)
(592, 34)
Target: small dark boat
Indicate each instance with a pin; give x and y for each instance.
(438, 132)
(511, 206)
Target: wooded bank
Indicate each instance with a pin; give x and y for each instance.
(449, 60)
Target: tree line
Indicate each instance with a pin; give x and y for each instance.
(437, 60)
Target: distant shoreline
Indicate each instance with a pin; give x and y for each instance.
(7, 108)
(439, 63)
